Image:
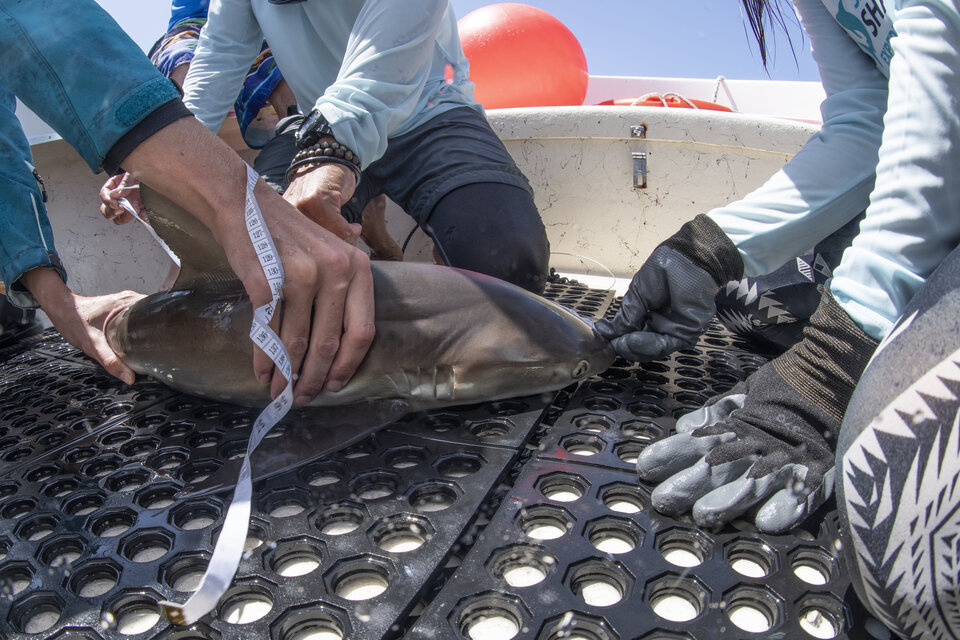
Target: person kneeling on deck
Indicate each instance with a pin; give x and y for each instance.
(891, 140)
(70, 63)
(392, 112)
(890, 144)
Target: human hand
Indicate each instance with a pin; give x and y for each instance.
(327, 321)
(120, 186)
(324, 278)
(671, 299)
(80, 320)
(670, 302)
(319, 191)
(761, 443)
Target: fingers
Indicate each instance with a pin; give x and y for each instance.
(791, 504)
(359, 330)
(680, 492)
(711, 413)
(101, 351)
(115, 188)
(669, 456)
(294, 331)
(325, 333)
(645, 346)
(630, 318)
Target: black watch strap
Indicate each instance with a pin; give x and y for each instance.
(313, 127)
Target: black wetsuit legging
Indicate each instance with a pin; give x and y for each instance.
(519, 253)
(898, 468)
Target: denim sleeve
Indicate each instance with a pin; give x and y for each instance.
(73, 66)
(828, 182)
(27, 240)
(388, 60)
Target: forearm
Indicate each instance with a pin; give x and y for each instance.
(384, 70)
(197, 169)
(829, 181)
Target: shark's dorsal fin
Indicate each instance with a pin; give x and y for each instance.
(201, 256)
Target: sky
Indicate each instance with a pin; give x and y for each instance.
(664, 38)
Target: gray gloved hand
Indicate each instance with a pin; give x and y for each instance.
(768, 440)
(671, 299)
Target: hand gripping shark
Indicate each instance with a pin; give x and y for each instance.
(444, 336)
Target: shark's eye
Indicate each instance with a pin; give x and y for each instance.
(581, 368)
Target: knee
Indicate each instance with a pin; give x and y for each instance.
(494, 229)
(521, 260)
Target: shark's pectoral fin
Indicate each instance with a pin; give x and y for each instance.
(307, 435)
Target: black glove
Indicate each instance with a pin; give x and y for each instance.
(769, 439)
(670, 301)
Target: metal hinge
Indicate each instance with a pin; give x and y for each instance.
(639, 169)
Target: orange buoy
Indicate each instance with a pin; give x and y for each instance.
(521, 56)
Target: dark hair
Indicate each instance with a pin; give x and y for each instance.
(762, 14)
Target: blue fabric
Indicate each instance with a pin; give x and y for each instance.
(184, 9)
(178, 47)
(73, 66)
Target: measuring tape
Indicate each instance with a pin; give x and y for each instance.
(229, 549)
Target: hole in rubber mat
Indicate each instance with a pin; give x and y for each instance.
(133, 614)
(522, 565)
(677, 599)
(37, 613)
(61, 551)
(751, 558)
(245, 603)
(433, 496)
(14, 578)
(544, 522)
(600, 584)
(490, 617)
(753, 609)
(813, 566)
(623, 498)
(311, 623)
(562, 487)
(684, 548)
(341, 519)
(459, 465)
(402, 533)
(613, 535)
(295, 558)
(94, 578)
(185, 571)
(820, 618)
(360, 580)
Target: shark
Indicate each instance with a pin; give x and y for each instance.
(444, 336)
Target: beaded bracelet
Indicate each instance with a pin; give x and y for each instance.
(325, 151)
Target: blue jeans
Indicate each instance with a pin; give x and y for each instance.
(73, 65)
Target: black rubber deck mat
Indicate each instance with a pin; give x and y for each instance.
(576, 550)
(95, 528)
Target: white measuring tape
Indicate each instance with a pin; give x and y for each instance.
(229, 549)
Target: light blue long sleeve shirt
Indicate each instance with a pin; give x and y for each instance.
(828, 182)
(375, 68)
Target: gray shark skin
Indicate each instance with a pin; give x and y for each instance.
(444, 336)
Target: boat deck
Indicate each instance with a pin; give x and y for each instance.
(513, 519)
